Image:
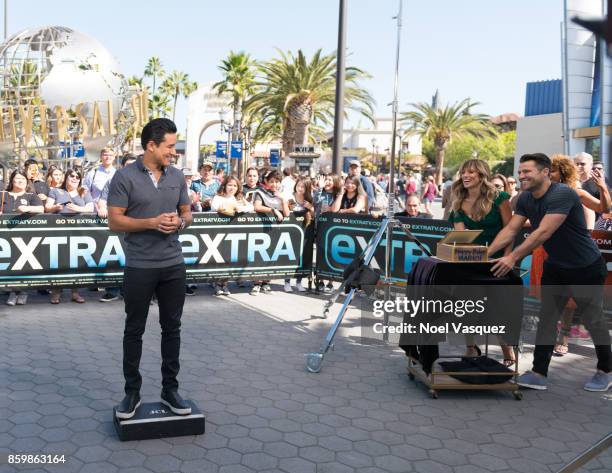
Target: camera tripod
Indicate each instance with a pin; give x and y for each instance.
(314, 360)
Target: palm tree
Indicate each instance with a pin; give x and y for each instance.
(442, 124)
(137, 82)
(24, 80)
(294, 94)
(177, 83)
(159, 105)
(238, 79)
(155, 69)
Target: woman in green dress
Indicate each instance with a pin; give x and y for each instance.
(479, 205)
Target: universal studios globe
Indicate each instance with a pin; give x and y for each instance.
(60, 88)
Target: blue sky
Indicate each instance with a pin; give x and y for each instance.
(483, 49)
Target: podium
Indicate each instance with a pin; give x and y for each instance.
(154, 420)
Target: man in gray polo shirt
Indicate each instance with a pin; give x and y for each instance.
(148, 201)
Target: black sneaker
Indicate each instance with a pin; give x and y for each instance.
(109, 297)
(175, 402)
(128, 406)
(189, 291)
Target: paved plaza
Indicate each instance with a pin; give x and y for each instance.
(243, 364)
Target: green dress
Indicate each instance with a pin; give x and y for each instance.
(491, 224)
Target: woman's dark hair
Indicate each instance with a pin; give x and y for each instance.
(49, 176)
(359, 190)
(307, 187)
(272, 175)
(223, 187)
(502, 178)
(80, 189)
(156, 131)
(17, 172)
(252, 168)
(338, 184)
(540, 159)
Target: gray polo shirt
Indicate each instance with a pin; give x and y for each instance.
(133, 188)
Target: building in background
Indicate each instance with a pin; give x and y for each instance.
(545, 127)
(584, 76)
(374, 143)
(541, 129)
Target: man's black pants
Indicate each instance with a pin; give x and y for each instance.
(139, 285)
(585, 285)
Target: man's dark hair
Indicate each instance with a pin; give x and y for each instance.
(540, 159)
(156, 130)
(127, 157)
(271, 175)
(220, 171)
(29, 162)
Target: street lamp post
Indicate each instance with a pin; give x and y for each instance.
(374, 160)
(226, 128)
(230, 129)
(340, 78)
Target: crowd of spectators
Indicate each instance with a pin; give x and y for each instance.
(278, 194)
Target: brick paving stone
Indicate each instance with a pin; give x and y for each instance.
(333, 467)
(259, 461)
(92, 454)
(199, 466)
(127, 458)
(297, 465)
(188, 452)
(487, 461)
(236, 469)
(281, 449)
(429, 466)
(354, 459)
(300, 439)
(265, 413)
(393, 464)
(335, 443)
(245, 445)
(448, 457)
(316, 454)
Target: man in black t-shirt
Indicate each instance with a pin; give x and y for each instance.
(574, 268)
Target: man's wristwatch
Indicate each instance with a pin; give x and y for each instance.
(182, 225)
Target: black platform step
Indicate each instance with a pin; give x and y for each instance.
(154, 420)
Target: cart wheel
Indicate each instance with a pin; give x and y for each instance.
(410, 376)
(433, 393)
(517, 395)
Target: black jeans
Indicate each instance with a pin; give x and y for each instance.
(585, 285)
(139, 285)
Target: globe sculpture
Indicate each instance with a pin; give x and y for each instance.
(63, 96)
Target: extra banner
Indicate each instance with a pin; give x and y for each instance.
(341, 238)
(41, 251)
